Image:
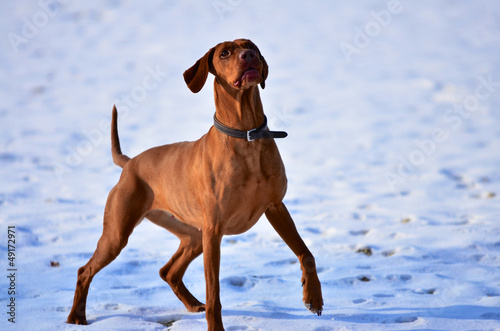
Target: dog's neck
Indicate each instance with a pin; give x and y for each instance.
(238, 109)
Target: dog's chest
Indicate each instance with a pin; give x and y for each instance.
(246, 185)
(254, 167)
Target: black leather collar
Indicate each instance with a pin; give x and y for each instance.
(262, 132)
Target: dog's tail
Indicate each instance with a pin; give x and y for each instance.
(118, 158)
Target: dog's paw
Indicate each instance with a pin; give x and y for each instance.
(315, 308)
(78, 320)
(313, 299)
(196, 309)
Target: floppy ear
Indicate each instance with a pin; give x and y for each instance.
(196, 76)
(265, 71)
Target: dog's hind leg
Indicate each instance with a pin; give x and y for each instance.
(126, 206)
(189, 248)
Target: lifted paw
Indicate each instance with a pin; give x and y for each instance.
(314, 309)
(313, 299)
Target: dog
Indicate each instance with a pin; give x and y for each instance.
(200, 191)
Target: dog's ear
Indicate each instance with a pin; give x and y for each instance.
(265, 72)
(196, 76)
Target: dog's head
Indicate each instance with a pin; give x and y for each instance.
(238, 63)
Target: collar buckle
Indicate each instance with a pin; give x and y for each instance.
(249, 134)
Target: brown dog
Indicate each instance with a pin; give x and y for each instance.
(218, 185)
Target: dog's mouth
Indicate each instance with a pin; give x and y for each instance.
(249, 75)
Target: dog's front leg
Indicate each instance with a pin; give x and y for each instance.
(212, 237)
(282, 222)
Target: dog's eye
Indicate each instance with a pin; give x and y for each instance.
(224, 53)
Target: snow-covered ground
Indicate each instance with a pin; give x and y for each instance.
(393, 159)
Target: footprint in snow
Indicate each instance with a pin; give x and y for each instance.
(389, 253)
(168, 321)
(484, 195)
(10, 158)
(111, 306)
(281, 262)
(365, 250)
(405, 319)
(403, 278)
(381, 295)
(314, 230)
(462, 181)
(359, 232)
(130, 267)
(365, 279)
(147, 292)
(356, 280)
(425, 291)
(239, 283)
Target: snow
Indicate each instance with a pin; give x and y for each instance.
(392, 159)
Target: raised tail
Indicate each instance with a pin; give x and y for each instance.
(118, 158)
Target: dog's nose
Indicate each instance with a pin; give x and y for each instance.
(247, 55)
